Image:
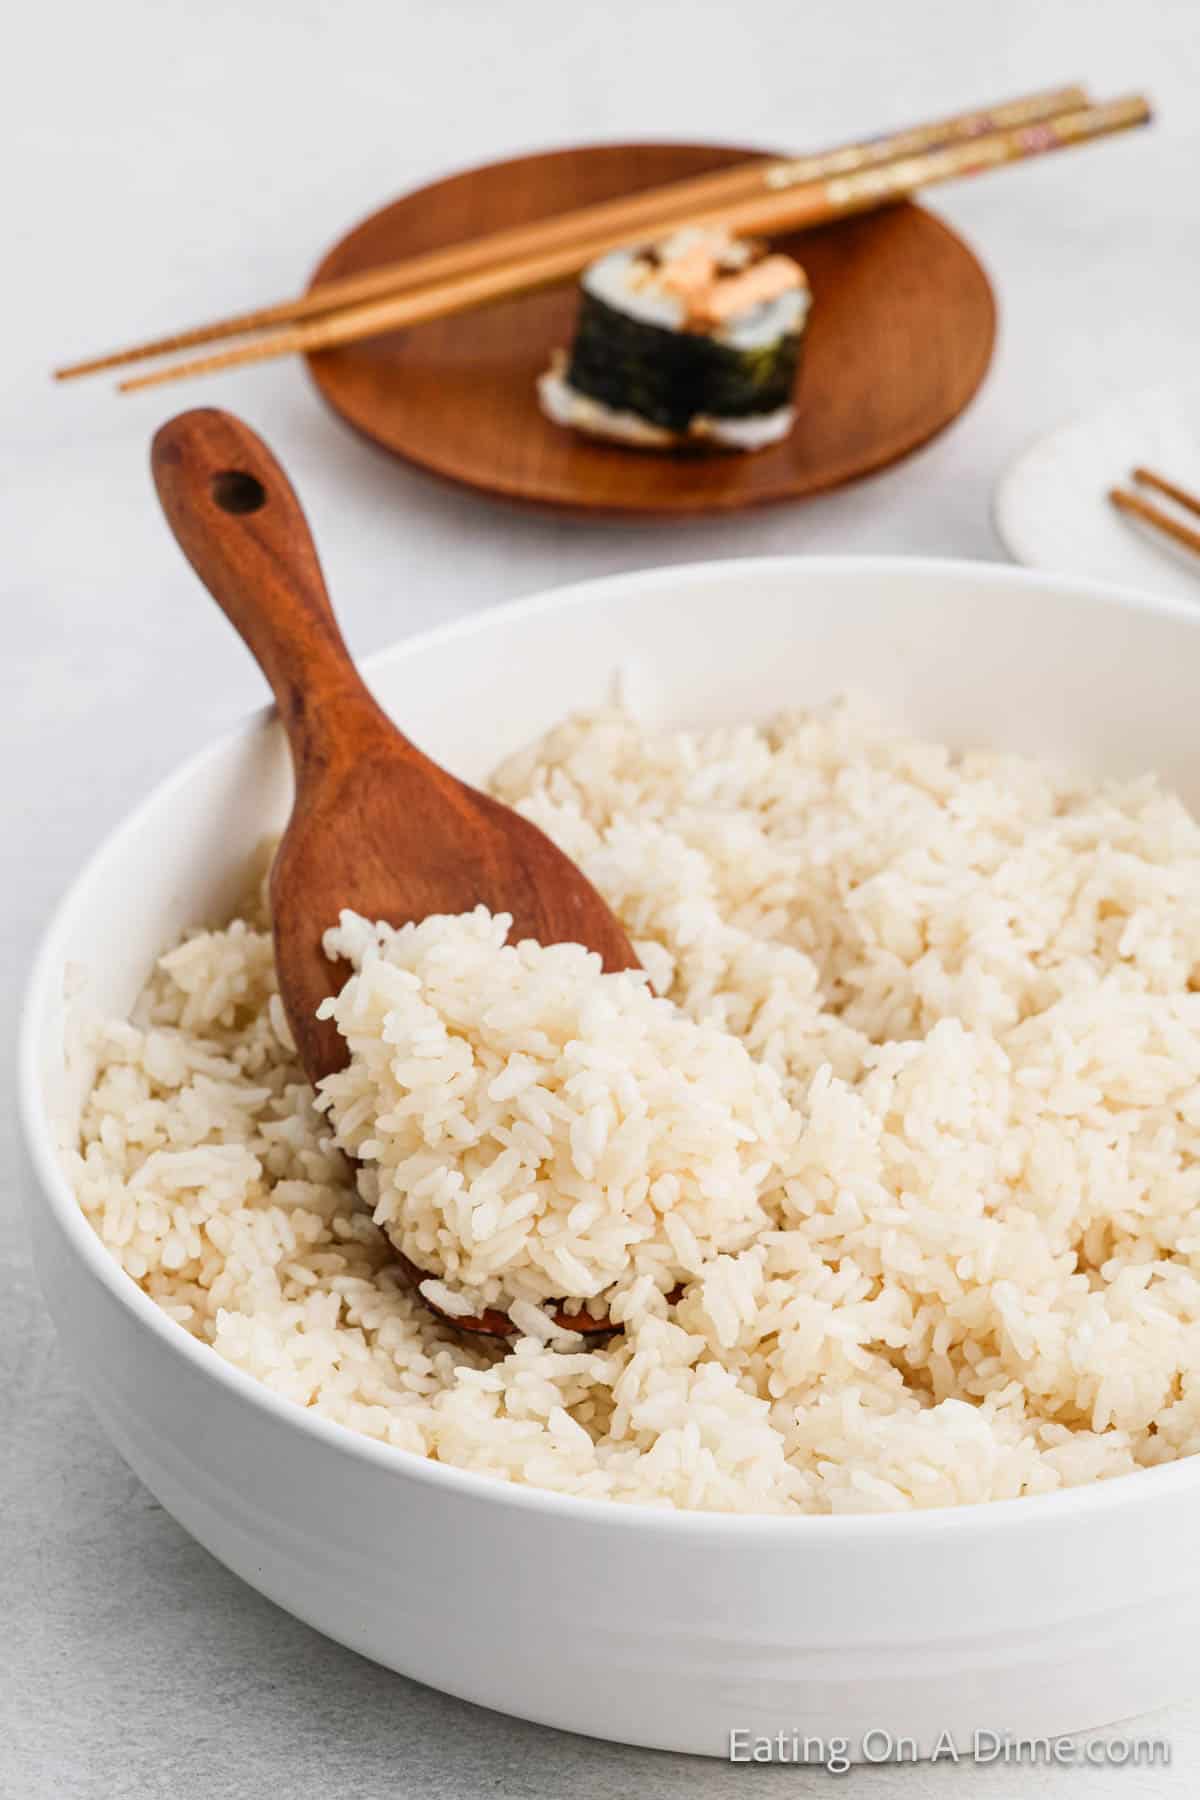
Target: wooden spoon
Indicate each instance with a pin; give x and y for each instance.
(375, 825)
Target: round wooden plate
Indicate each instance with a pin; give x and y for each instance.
(900, 337)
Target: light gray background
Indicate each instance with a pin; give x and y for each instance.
(165, 161)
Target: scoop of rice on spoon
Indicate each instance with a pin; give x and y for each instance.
(376, 828)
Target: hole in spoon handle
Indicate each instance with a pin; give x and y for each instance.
(237, 491)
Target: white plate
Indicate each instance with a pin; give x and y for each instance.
(1051, 508)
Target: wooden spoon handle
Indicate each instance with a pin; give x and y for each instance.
(240, 525)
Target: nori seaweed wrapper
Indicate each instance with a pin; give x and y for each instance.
(668, 377)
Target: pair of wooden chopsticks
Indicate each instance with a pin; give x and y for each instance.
(757, 196)
(1136, 506)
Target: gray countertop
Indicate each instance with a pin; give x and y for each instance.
(171, 162)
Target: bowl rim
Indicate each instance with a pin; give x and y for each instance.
(1061, 1506)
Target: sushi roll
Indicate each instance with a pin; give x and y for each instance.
(693, 341)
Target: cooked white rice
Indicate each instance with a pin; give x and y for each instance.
(541, 1130)
(915, 1124)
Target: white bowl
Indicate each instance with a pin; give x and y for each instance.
(1032, 1616)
